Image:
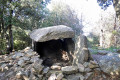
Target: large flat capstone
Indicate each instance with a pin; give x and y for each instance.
(50, 33)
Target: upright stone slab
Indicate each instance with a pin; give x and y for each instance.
(81, 53)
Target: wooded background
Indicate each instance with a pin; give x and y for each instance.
(19, 17)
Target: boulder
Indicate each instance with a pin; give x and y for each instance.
(50, 33)
(110, 63)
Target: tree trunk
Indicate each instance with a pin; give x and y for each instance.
(116, 4)
(101, 38)
(2, 23)
(10, 31)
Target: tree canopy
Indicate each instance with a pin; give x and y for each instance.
(105, 3)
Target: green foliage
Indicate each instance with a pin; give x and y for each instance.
(29, 15)
(21, 38)
(2, 46)
(111, 48)
(22, 15)
(114, 32)
(62, 14)
(93, 42)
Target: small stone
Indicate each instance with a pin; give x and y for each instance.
(93, 65)
(56, 67)
(82, 77)
(21, 63)
(59, 76)
(27, 48)
(3, 67)
(88, 70)
(53, 72)
(17, 55)
(32, 77)
(104, 76)
(97, 70)
(19, 75)
(52, 77)
(30, 52)
(70, 69)
(89, 76)
(38, 67)
(45, 70)
(25, 78)
(93, 62)
(64, 79)
(25, 58)
(86, 64)
(40, 77)
(10, 74)
(6, 68)
(81, 67)
(34, 59)
(75, 77)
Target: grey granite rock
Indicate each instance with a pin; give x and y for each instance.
(50, 33)
(69, 69)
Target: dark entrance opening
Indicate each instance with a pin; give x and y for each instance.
(56, 51)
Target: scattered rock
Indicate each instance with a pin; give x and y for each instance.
(21, 75)
(45, 70)
(75, 77)
(25, 58)
(38, 67)
(35, 58)
(53, 72)
(52, 77)
(93, 64)
(56, 67)
(88, 69)
(89, 76)
(81, 68)
(86, 64)
(21, 63)
(17, 55)
(59, 76)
